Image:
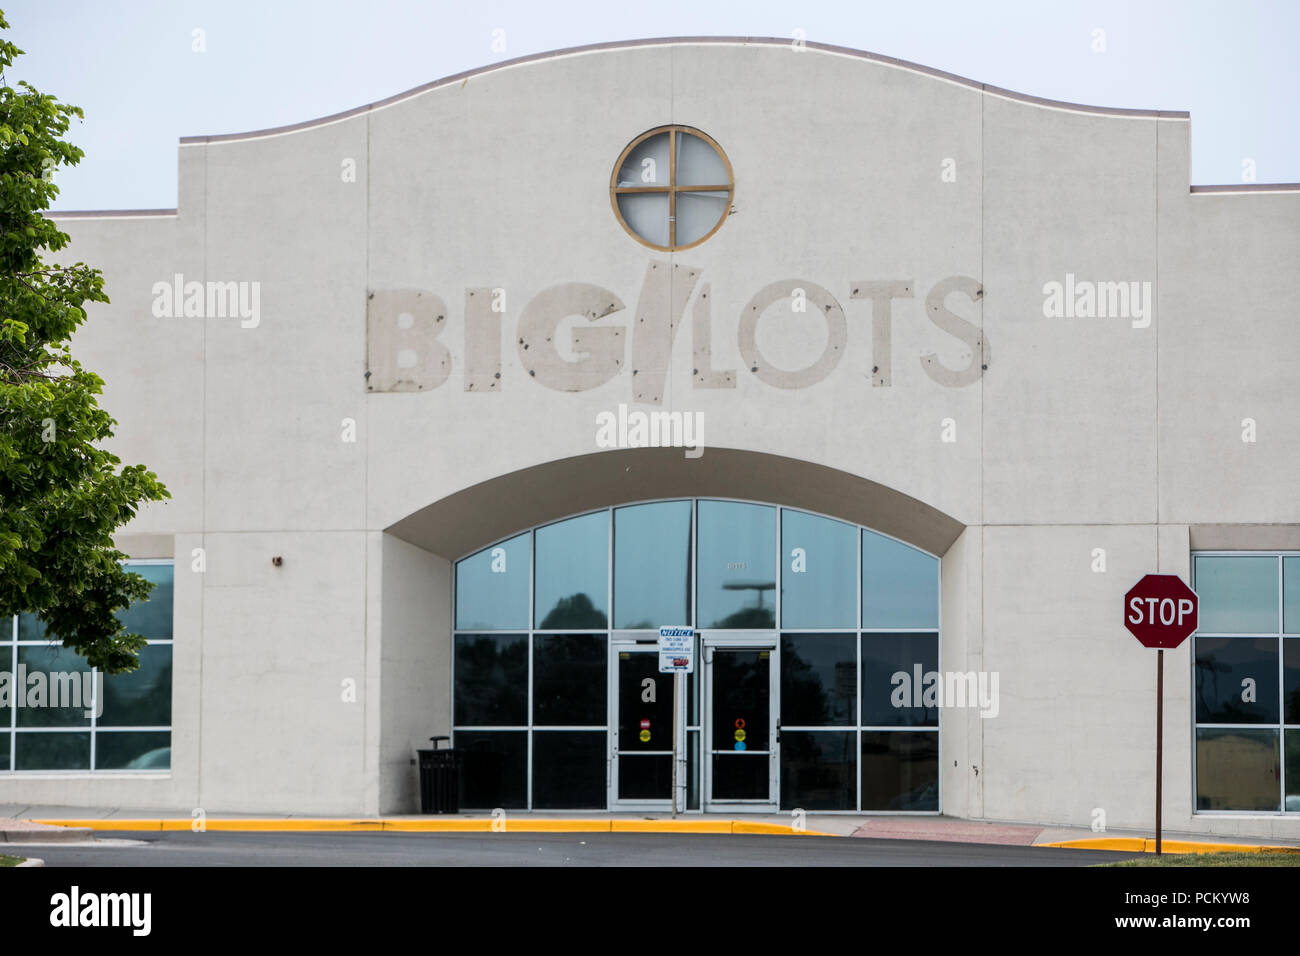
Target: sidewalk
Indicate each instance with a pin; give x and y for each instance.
(21, 823)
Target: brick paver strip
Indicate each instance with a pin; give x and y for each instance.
(927, 829)
(11, 823)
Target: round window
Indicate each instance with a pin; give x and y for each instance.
(671, 188)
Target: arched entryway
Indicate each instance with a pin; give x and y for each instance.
(805, 616)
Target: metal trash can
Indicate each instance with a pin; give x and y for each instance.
(440, 778)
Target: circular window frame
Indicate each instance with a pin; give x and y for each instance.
(672, 189)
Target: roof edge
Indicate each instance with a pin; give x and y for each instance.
(109, 213)
(700, 40)
(1249, 188)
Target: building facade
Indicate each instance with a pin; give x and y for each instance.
(887, 382)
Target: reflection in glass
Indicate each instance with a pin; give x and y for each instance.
(818, 568)
(142, 697)
(900, 585)
(1237, 594)
(900, 770)
(1291, 679)
(741, 699)
(1236, 769)
(492, 587)
(819, 683)
(645, 776)
(491, 679)
(494, 769)
(572, 573)
(1291, 594)
(693, 770)
(819, 770)
(1292, 771)
(740, 777)
(1223, 666)
(737, 565)
(569, 679)
(643, 725)
(60, 688)
(896, 690)
(45, 751)
(29, 628)
(569, 770)
(652, 565)
(152, 617)
(133, 751)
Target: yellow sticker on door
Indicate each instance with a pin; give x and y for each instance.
(740, 735)
(645, 736)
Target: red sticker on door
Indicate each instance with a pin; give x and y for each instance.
(645, 723)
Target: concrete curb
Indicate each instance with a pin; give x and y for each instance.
(1148, 845)
(71, 833)
(449, 825)
(30, 861)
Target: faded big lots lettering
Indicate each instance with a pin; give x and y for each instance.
(406, 352)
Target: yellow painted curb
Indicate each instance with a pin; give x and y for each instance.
(749, 826)
(555, 826)
(671, 826)
(449, 825)
(1148, 845)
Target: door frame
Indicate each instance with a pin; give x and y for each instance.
(761, 640)
(622, 642)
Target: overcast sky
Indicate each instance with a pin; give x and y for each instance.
(130, 64)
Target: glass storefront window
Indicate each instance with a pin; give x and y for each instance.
(492, 587)
(542, 618)
(494, 769)
(819, 680)
(900, 771)
(571, 573)
(1247, 682)
(1236, 680)
(652, 565)
(70, 712)
(900, 673)
(568, 770)
(900, 585)
(1236, 769)
(141, 698)
(818, 565)
(569, 686)
(737, 565)
(491, 677)
(818, 769)
(1291, 679)
(1291, 594)
(1238, 595)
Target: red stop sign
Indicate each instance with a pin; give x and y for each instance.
(1161, 611)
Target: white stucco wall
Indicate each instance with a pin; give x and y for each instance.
(1081, 433)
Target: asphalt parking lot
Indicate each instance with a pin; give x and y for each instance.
(183, 848)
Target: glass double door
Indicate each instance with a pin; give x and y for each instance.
(726, 726)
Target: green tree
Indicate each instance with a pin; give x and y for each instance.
(61, 493)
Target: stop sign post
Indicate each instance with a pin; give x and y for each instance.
(1160, 611)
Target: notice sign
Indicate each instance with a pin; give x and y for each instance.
(676, 650)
